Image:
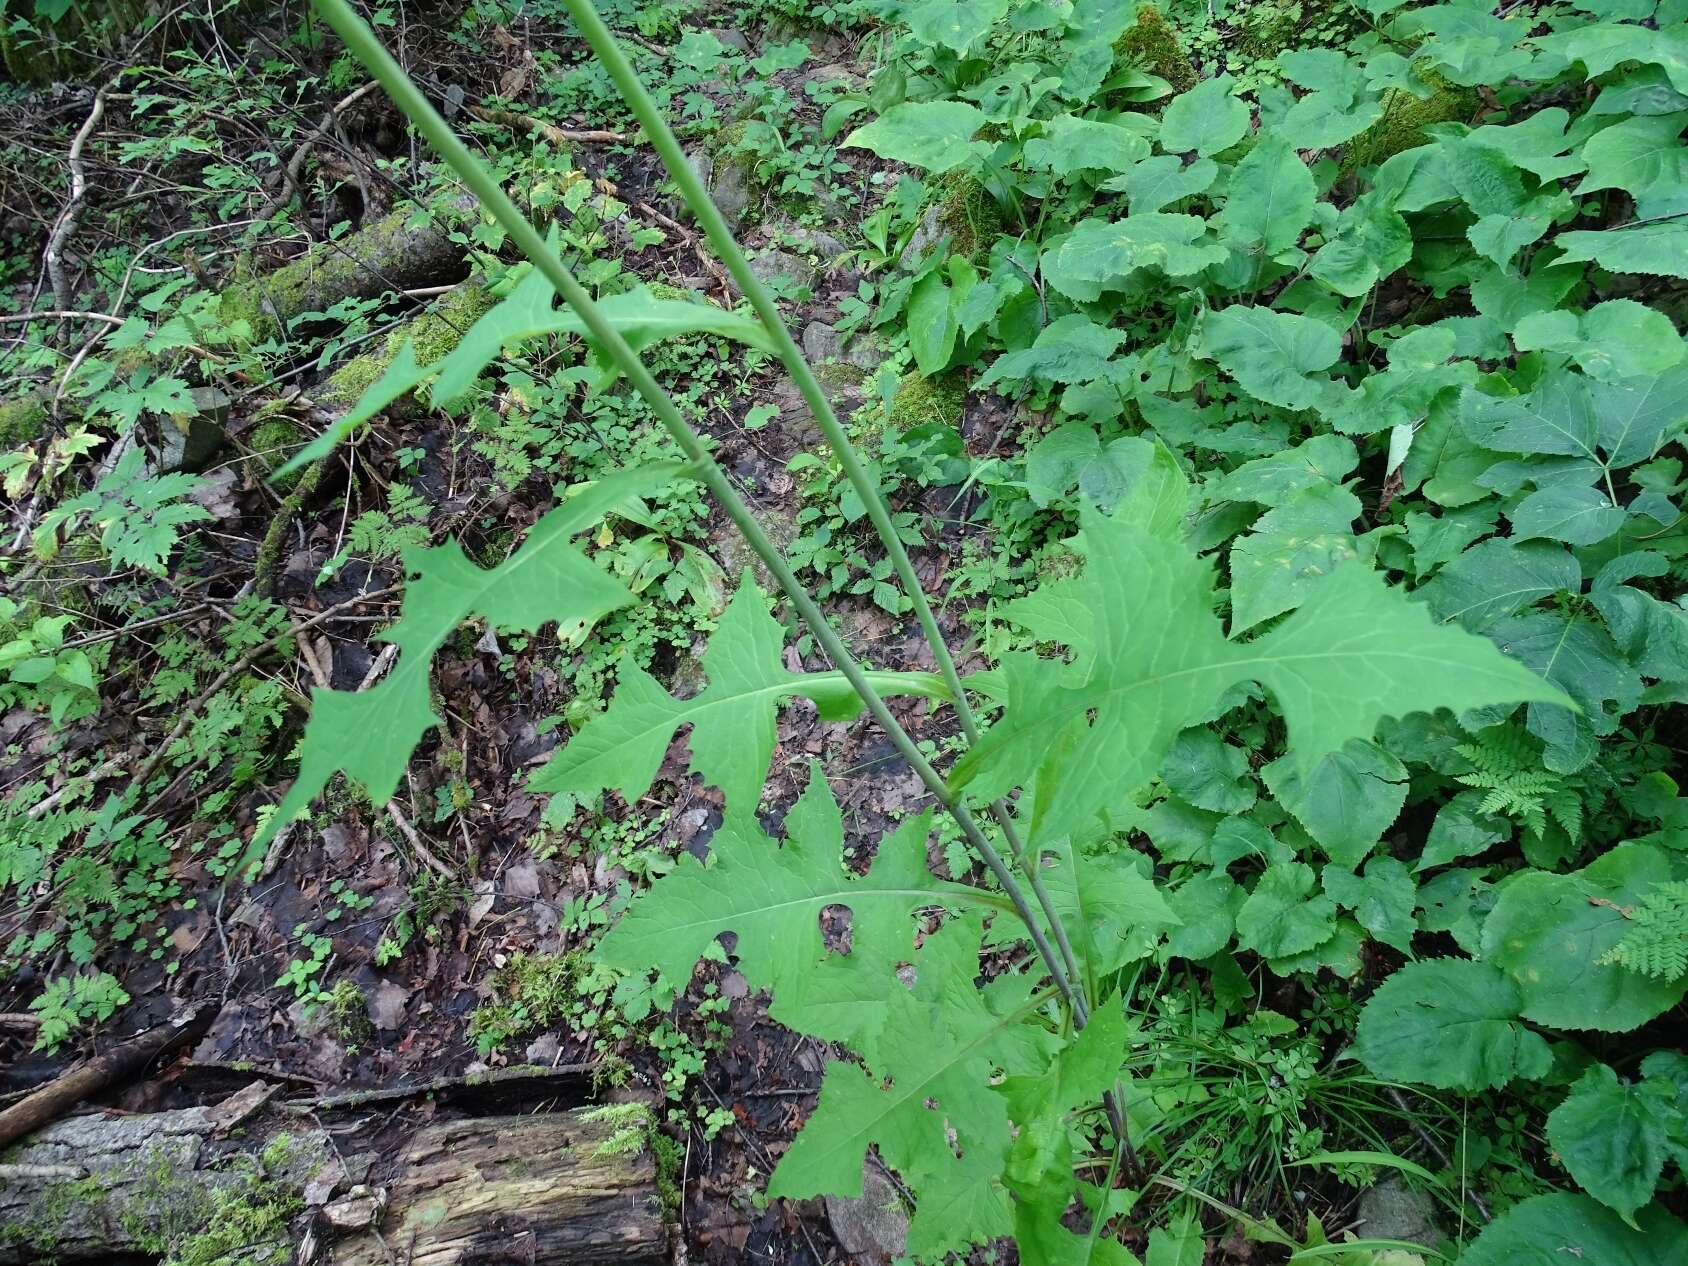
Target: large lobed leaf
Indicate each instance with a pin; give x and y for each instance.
(1149, 658)
(732, 719)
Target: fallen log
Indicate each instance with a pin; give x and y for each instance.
(261, 1182)
(404, 250)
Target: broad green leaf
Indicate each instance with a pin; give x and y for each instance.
(1290, 549)
(1072, 456)
(1208, 772)
(1614, 1137)
(1080, 1074)
(732, 718)
(1208, 906)
(1069, 349)
(1555, 1229)
(1347, 801)
(1207, 119)
(1601, 46)
(1450, 1023)
(1372, 241)
(529, 312)
(1496, 577)
(1383, 901)
(1557, 417)
(1070, 145)
(1461, 829)
(931, 323)
(1549, 932)
(1337, 107)
(1272, 354)
(1179, 1243)
(1156, 183)
(369, 735)
(956, 24)
(1270, 198)
(1613, 340)
(1283, 916)
(1319, 464)
(936, 135)
(1152, 659)
(1659, 250)
(1636, 416)
(1574, 513)
(1639, 156)
(1103, 254)
(1579, 657)
(770, 896)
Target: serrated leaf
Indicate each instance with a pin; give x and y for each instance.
(369, 735)
(771, 898)
(1153, 659)
(1496, 577)
(1450, 1023)
(1614, 1137)
(1383, 901)
(1639, 156)
(732, 718)
(1613, 340)
(1283, 915)
(1346, 801)
(1574, 513)
(1553, 1229)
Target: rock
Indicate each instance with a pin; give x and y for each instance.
(732, 190)
(731, 38)
(815, 241)
(1394, 1211)
(926, 235)
(872, 1227)
(822, 342)
(769, 265)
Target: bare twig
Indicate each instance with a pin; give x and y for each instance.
(550, 131)
(65, 227)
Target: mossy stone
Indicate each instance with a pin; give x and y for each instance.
(22, 419)
(1152, 44)
(433, 334)
(920, 400)
(272, 443)
(969, 214)
(1405, 117)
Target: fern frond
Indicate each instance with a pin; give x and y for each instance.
(1655, 943)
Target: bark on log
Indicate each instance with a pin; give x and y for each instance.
(572, 1188)
(577, 1187)
(403, 250)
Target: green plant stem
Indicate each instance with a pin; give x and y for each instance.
(667, 146)
(481, 182)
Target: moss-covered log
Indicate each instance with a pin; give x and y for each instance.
(582, 1186)
(406, 249)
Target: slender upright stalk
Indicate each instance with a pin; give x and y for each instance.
(727, 249)
(481, 182)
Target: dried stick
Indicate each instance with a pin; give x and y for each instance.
(65, 227)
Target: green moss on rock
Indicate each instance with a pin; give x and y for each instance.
(968, 213)
(22, 419)
(1152, 44)
(433, 334)
(1405, 117)
(920, 400)
(271, 444)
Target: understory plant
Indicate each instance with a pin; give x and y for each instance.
(1195, 741)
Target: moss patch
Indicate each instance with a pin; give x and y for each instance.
(22, 419)
(1152, 44)
(968, 213)
(1404, 119)
(633, 1129)
(433, 334)
(271, 444)
(921, 400)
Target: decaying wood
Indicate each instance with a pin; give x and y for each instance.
(577, 1186)
(89, 1078)
(571, 1188)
